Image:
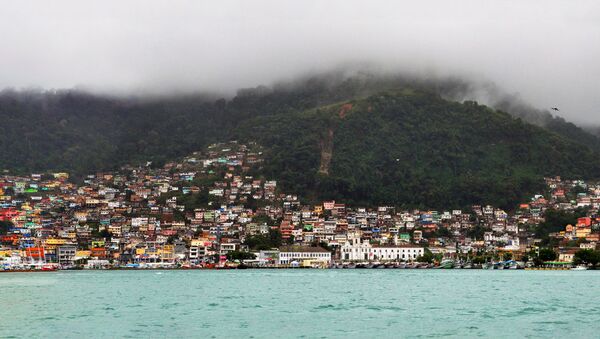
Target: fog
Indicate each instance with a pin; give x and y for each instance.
(545, 52)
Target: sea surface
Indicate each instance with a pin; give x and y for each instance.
(300, 304)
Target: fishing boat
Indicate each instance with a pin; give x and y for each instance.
(512, 265)
(447, 264)
(579, 268)
(49, 267)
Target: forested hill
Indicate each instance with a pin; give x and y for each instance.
(414, 149)
(400, 142)
(79, 132)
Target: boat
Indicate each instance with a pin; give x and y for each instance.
(447, 264)
(579, 268)
(512, 265)
(351, 265)
(49, 267)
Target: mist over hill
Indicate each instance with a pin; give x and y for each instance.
(412, 119)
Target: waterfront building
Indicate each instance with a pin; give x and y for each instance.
(357, 249)
(304, 255)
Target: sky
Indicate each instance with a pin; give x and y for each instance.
(546, 52)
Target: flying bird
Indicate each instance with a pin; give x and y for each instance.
(555, 109)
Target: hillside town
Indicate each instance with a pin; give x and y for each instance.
(213, 209)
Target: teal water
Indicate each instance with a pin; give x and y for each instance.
(300, 304)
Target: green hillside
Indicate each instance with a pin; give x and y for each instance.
(414, 149)
(388, 145)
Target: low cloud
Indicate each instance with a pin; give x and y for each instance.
(545, 52)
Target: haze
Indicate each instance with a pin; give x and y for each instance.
(547, 52)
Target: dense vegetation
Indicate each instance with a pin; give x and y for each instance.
(414, 148)
(5, 226)
(80, 133)
(556, 220)
(399, 146)
(587, 257)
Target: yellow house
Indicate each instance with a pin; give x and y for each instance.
(200, 242)
(98, 243)
(52, 243)
(55, 241)
(83, 253)
(167, 252)
(61, 175)
(583, 232)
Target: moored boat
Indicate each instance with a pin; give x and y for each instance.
(579, 268)
(447, 264)
(49, 267)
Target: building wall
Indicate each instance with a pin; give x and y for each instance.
(365, 251)
(285, 258)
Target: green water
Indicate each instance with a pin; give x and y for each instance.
(300, 303)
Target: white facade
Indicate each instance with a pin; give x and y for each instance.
(354, 249)
(286, 257)
(197, 252)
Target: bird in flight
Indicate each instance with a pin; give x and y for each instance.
(555, 109)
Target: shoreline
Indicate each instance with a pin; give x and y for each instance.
(283, 268)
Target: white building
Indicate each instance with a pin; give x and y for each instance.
(288, 254)
(355, 249)
(197, 252)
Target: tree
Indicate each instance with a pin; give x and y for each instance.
(5, 226)
(291, 240)
(239, 255)
(547, 254)
(426, 257)
(476, 232)
(586, 256)
(264, 242)
(479, 259)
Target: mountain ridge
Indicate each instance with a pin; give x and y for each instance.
(81, 133)
(444, 156)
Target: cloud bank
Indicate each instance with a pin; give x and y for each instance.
(545, 51)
